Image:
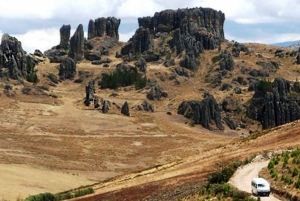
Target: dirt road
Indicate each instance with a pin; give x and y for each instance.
(243, 176)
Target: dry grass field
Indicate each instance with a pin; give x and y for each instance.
(52, 142)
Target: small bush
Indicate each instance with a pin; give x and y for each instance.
(296, 86)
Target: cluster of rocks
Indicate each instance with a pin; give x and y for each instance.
(271, 104)
(189, 30)
(202, 112)
(78, 48)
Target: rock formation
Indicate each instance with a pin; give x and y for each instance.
(77, 44)
(188, 31)
(202, 112)
(64, 36)
(89, 91)
(271, 104)
(67, 69)
(104, 27)
(156, 93)
(13, 57)
(125, 109)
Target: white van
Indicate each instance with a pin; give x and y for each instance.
(260, 186)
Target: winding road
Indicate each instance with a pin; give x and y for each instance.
(243, 176)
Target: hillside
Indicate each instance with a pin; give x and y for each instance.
(49, 133)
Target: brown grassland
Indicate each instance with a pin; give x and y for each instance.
(50, 144)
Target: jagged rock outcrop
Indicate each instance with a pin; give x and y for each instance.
(187, 31)
(104, 27)
(13, 57)
(189, 21)
(89, 93)
(141, 42)
(65, 32)
(67, 69)
(272, 105)
(125, 109)
(202, 112)
(77, 44)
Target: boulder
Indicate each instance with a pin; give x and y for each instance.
(125, 109)
(56, 55)
(89, 91)
(156, 93)
(38, 53)
(147, 106)
(77, 44)
(105, 106)
(141, 64)
(226, 61)
(67, 68)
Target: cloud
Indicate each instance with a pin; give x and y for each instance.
(39, 39)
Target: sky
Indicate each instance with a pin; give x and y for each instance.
(36, 23)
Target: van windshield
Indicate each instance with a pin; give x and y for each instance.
(260, 185)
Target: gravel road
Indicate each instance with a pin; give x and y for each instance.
(243, 176)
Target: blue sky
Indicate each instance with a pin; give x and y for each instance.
(36, 23)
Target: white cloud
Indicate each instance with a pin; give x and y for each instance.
(137, 8)
(39, 39)
(124, 37)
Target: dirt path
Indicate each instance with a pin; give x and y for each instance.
(243, 176)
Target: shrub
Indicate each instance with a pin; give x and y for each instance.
(31, 72)
(265, 86)
(296, 86)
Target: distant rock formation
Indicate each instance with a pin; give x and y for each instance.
(65, 31)
(202, 112)
(205, 24)
(13, 57)
(67, 69)
(77, 44)
(57, 53)
(183, 30)
(271, 104)
(104, 27)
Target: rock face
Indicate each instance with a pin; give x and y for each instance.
(205, 24)
(77, 44)
(271, 104)
(202, 112)
(64, 36)
(141, 42)
(67, 68)
(13, 57)
(104, 27)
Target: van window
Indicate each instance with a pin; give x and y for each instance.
(261, 185)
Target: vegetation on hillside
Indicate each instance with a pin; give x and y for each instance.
(118, 79)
